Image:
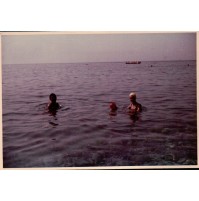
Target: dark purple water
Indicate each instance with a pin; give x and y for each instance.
(83, 133)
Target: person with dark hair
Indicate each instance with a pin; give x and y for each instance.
(113, 107)
(53, 105)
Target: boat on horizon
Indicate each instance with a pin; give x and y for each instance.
(133, 62)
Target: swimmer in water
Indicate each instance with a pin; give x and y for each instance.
(113, 109)
(53, 105)
(134, 107)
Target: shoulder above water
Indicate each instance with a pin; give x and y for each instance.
(53, 106)
(135, 107)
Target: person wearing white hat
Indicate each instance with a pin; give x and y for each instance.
(134, 107)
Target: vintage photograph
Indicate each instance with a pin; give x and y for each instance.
(99, 100)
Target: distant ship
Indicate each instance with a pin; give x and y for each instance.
(133, 62)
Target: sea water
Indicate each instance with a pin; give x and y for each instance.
(83, 133)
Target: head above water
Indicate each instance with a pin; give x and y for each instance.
(53, 97)
(132, 96)
(113, 106)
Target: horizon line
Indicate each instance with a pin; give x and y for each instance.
(98, 62)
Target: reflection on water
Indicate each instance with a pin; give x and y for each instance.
(134, 117)
(83, 132)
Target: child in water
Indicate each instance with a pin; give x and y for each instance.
(113, 107)
(134, 107)
(53, 105)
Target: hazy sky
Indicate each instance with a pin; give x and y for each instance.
(67, 48)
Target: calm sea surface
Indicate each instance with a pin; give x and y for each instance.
(83, 133)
